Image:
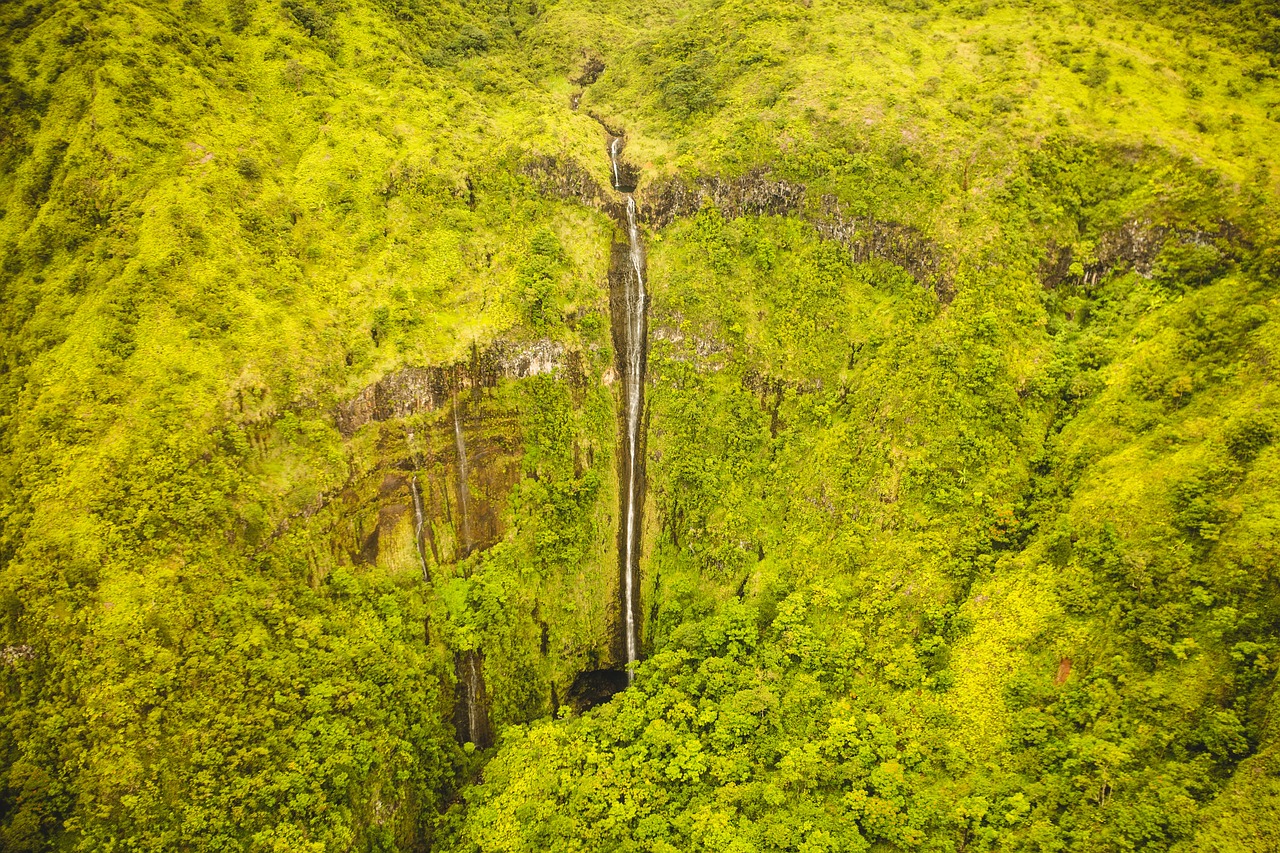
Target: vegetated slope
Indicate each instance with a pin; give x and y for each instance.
(950, 599)
(980, 559)
(220, 221)
(995, 573)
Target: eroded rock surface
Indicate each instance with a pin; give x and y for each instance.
(752, 194)
(1134, 245)
(757, 193)
(412, 390)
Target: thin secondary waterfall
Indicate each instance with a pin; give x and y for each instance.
(464, 491)
(418, 514)
(417, 528)
(631, 345)
(471, 711)
(473, 707)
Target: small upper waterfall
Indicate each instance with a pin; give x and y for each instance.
(464, 492)
(631, 346)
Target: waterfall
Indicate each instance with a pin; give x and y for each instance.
(629, 340)
(471, 711)
(464, 493)
(473, 707)
(634, 389)
(419, 521)
(417, 529)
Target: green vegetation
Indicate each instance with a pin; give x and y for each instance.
(982, 557)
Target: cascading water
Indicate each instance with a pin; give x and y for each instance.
(632, 351)
(419, 521)
(464, 491)
(417, 527)
(471, 711)
(473, 707)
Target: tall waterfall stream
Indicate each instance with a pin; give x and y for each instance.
(629, 304)
(632, 350)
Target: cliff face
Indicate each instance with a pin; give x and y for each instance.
(425, 455)
(1136, 245)
(484, 471)
(756, 193)
(752, 194)
(566, 178)
(414, 390)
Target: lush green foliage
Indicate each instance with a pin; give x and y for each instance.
(889, 539)
(995, 573)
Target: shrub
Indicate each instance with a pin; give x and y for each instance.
(1248, 437)
(1181, 265)
(686, 90)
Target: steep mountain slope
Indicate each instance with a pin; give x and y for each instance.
(220, 221)
(960, 477)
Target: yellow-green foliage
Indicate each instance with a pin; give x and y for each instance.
(877, 522)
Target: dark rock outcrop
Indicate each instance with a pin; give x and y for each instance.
(595, 687)
(592, 68)
(756, 193)
(566, 179)
(424, 389)
(1134, 245)
(867, 238)
(753, 194)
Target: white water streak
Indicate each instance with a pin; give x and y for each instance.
(464, 491)
(417, 509)
(472, 695)
(635, 379)
(417, 529)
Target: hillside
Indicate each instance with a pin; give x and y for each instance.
(900, 472)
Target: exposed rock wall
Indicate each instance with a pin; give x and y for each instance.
(867, 237)
(753, 194)
(471, 707)
(1134, 245)
(565, 178)
(757, 194)
(412, 390)
(426, 461)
